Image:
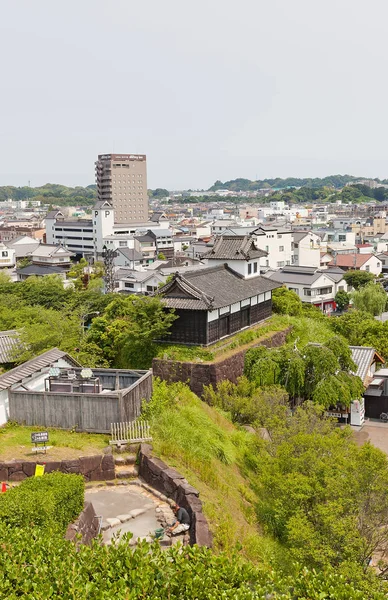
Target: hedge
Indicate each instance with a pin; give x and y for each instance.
(39, 565)
(51, 502)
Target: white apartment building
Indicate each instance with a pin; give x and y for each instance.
(307, 249)
(277, 243)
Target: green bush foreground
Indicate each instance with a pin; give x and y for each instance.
(39, 565)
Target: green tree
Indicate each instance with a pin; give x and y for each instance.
(342, 299)
(286, 302)
(128, 327)
(357, 279)
(371, 298)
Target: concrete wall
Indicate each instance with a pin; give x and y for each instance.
(170, 482)
(197, 375)
(86, 412)
(93, 468)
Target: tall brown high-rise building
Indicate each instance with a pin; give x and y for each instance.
(122, 180)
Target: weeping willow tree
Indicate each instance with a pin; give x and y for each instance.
(323, 374)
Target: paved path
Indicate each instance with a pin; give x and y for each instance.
(375, 432)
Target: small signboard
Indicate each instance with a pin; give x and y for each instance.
(39, 438)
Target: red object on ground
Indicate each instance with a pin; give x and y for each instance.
(3, 486)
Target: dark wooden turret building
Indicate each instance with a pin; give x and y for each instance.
(215, 302)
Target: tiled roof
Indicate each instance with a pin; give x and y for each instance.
(303, 275)
(350, 260)
(234, 247)
(364, 356)
(210, 288)
(40, 270)
(9, 343)
(32, 366)
(130, 253)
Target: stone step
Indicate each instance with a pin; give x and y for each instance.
(126, 471)
(129, 459)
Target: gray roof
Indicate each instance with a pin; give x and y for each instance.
(32, 366)
(52, 214)
(210, 288)
(364, 356)
(22, 250)
(9, 343)
(234, 247)
(101, 204)
(303, 275)
(299, 235)
(130, 253)
(40, 270)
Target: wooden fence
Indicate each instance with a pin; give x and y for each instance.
(131, 432)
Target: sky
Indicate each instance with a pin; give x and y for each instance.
(207, 89)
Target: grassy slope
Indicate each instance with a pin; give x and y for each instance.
(215, 457)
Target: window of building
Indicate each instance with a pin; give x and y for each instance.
(280, 263)
(129, 285)
(122, 243)
(267, 248)
(4, 253)
(281, 248)
(367, 268)
(296, 245)
(255, 267)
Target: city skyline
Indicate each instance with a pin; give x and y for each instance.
(211, 91)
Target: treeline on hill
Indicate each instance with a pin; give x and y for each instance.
(51, 193)
(240, 184)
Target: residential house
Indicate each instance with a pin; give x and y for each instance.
(306, 247)
(383, 258)
(128, 281)
(314, 286)
(218, 226)
(7, 256)
(128, 257)
(53, 256)
(215, 302)
(148, 246)
(22, 246)
(362, 262)
(41, 271)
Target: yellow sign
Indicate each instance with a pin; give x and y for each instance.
(39, 470)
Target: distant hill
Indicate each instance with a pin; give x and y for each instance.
(52, 193)
(335, 181)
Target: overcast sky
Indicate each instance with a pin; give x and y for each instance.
(208, 89)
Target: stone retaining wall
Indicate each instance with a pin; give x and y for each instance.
(93, 468)
(197, 375)
(170, 482)
(86, 525)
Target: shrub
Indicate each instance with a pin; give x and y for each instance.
(49, 502)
